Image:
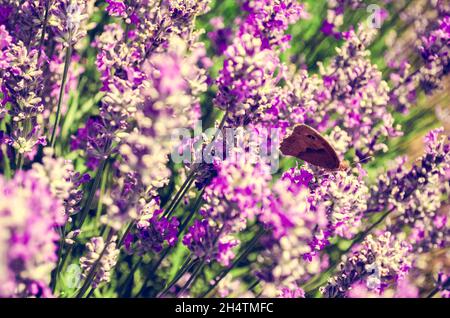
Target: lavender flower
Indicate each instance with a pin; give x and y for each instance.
(220, 36)
(403, 289)
(201, 239)
(293, 227)
(101, 258)
(351, 79)
(95, 139)
(418, 199)
(378, 262)
(237, 192)
(233, 287)
(69, 20)
(64, 182)
(21, 84)
(248, 94)
(138, 82)
(435, 52)
(234, 197)
(397, 185)
(305, 213)
(153, 231)
(295, 292)
(345, 197)
(269, 20)
(168, 94)
(431, 37)
(443, 284)
(24, 20)
(116, 8)
(208, 241)
(247, 82)
(29, 213)
(335, 15)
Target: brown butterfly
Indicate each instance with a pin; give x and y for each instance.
(307, 144)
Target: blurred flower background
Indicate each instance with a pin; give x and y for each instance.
(92, 93)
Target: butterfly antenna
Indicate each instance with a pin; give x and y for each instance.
(355, 163)
(364, 159)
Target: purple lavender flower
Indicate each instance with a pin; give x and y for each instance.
(5, 42)
(152, 77)
(23, 20)
(397, 185)
(65, 183)
(69, 18)
(220, 36)
(269, 20)
(142, 115)
(443, 284)
(153, 230)
(95, 139)
(415, 197)
(431, 33)
(304, 212)
(351, 80)
(109, 253)
(234, 197)
(20, 86)
(225, 253)
(402, 289)
(201, 239)
(295, 292)
(378, 263)
(116, 8)
(327, 28)
(247, 81)
(29, 213)
(435, 52)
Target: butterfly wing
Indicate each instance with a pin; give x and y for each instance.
(307, 144)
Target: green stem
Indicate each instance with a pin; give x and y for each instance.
(44, 27)
(125, 290)
(180, 197)
(20, 160)
(102, 193)
(190, 179)
(91, 292)
(90, 276)
(180, 193)
(59, 262)
(61, 94)
(65, 257)
(124, 235)
(197, 205)
(184, 268)
(255, 283)
(193, 277)
(166, 251)
(91, 196)
(152, 270)
(6, 163)
(246, 251)
(433, 292)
